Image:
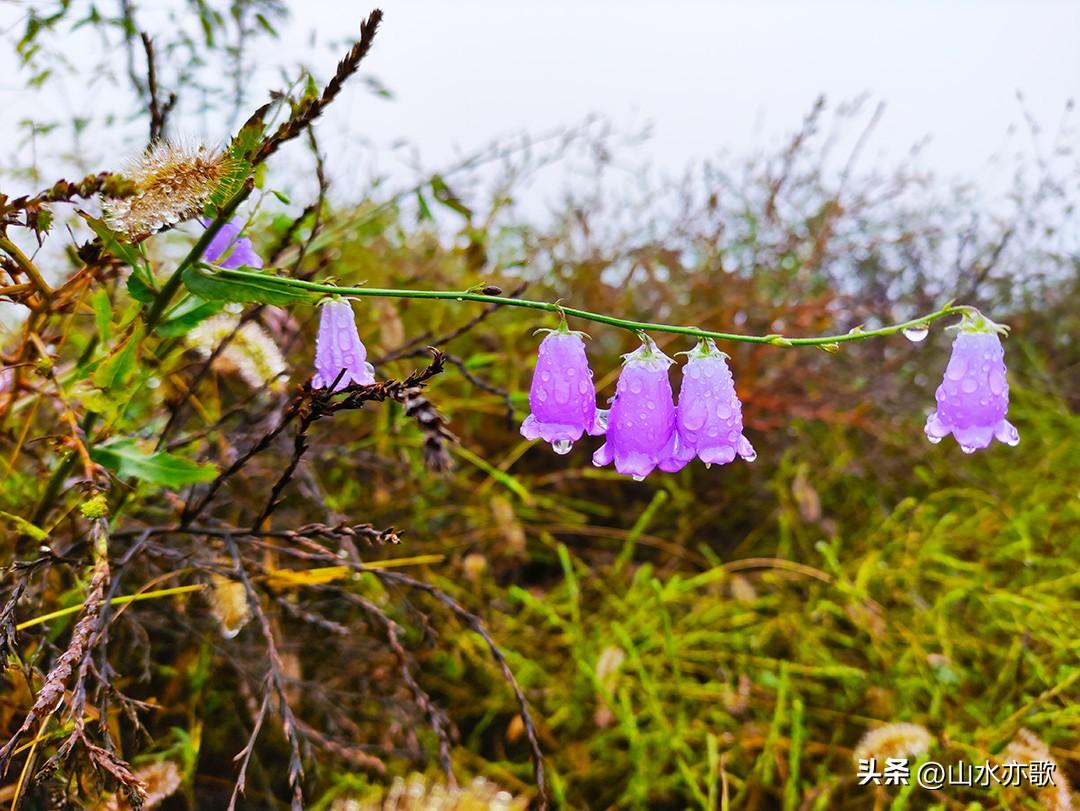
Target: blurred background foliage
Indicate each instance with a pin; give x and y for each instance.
(714, 638)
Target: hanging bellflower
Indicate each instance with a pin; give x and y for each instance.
(708, 420)
(641, 426)
(230, 250)
(338, 347)
(562, 397)
(973, 398)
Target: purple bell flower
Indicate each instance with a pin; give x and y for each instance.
(974, 396)
(708, 420)
(641, 426)
(562, 396)
(338, 347)
(228, 241)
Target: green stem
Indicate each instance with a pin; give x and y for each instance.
(172, 284)
(56, 480)
(264, 280)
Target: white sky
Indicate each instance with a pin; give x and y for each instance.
(709, 76)
(712, 76)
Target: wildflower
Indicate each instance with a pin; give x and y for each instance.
(338, 348)
(251, 352)
(708, 420)
(898, 740)
(230, 250)
(641, 427)
(562, 396)
(974, 396)
(172, 183)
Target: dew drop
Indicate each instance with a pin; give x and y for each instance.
(934, 440)
(750, 457)
(970, 385)
(562, 446)
(997, 382)
(638, 478)
(916, 334)
(967, 449)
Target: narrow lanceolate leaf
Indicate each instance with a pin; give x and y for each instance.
(223, 285)
(119, 363)
(189, 313)
(125, 252)
(127, 460)
(141, 284)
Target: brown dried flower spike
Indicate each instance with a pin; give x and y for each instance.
(173, 183)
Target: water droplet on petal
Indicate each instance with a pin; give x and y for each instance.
(562, 446)
(970, 385)
(934, 440)
(916, 334)
(638, 478)
(968, 449)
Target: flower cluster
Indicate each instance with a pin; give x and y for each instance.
(645, 429)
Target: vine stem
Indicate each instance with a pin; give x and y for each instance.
(265, 281)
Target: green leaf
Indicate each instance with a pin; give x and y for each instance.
(226, 285)
(128, 254)
(425, 212)
(124, 457)
(139, 290)
(445, 196)
(191, 311)
(25, 527)
(102, 313)
(117, 365)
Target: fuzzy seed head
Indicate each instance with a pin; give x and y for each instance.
(251, 352)
(173, 183)
(894, 741)
(1026, 748)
